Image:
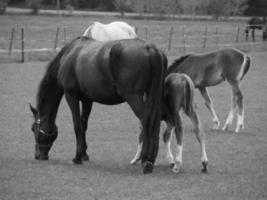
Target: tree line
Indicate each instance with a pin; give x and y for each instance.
(193, 7)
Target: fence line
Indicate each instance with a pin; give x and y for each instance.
(171, 42)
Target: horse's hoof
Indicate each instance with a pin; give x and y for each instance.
(238, 128)
(148, 167)
(216, 126)
(85, 157)
(225, 127)
(205, 167)
(172, 165)
(77, 161)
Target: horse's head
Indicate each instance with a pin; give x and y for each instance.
(44, 135)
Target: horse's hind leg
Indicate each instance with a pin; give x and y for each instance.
(231, 114)
(73, 103)
(239, 101)
(209, 104)
(86, 110)
(200, 135)
(167, 140)
(179, 138)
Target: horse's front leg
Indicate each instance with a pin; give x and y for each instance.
(73, 103)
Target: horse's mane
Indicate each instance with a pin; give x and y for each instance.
(49, 81)
(176, 63)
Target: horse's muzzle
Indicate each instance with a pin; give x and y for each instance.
(41, 152)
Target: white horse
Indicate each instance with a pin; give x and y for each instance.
(113, 31)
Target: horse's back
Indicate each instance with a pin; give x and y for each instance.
(112, 31)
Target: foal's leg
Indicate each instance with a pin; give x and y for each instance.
(73, 103)
(209, 104)
(179, 148)
(239, 101)
(167, 140)
(200, 135)
(137, 156)
(86, 110)
(232, 112)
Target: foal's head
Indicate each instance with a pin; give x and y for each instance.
(44, 135)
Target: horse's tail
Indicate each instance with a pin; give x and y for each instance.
(188, 97)
(245, 66)
(153, 104)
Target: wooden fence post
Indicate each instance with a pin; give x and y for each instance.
(22, 44)
(217, 38)
(237, 36)
(11, 41)
(64, 35)
(146, 33)
(170, 39)
(205, 37)
(56, 40)
(183, 33)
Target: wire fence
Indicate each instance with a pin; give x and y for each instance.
(23, 42)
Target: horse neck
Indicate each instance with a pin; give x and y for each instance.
(177, 66)
(49, 96)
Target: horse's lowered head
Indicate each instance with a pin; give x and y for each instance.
(44, 135)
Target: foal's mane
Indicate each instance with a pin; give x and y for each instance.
(49, 81)
(176, 63)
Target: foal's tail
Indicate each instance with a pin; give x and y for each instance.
(188, 97)
(245, 66)
(153, 104)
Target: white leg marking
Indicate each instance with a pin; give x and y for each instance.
(204, 157)
(214, 118)
(241, 72)
(229, 119)
(178, 159)
(240, 122)
(169, 152)
(137, 155)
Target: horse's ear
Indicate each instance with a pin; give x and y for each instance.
(34, 111)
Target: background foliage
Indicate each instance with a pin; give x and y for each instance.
(207, 7)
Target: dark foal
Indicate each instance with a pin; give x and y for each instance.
(179, 96)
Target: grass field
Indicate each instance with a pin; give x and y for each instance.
(237, 162)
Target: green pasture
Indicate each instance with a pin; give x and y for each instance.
(237, 162)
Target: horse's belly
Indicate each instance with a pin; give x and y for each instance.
(104, 94)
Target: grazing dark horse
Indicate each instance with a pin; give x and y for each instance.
(254, 23)
(179, 95)
(110, 73)
(211, 69)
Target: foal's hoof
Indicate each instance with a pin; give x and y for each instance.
(148, 167)
(205, 167)
(77, 161)
(85, 157)
(225, 128)
(238, 128)
(216, 125)
(172, 165)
